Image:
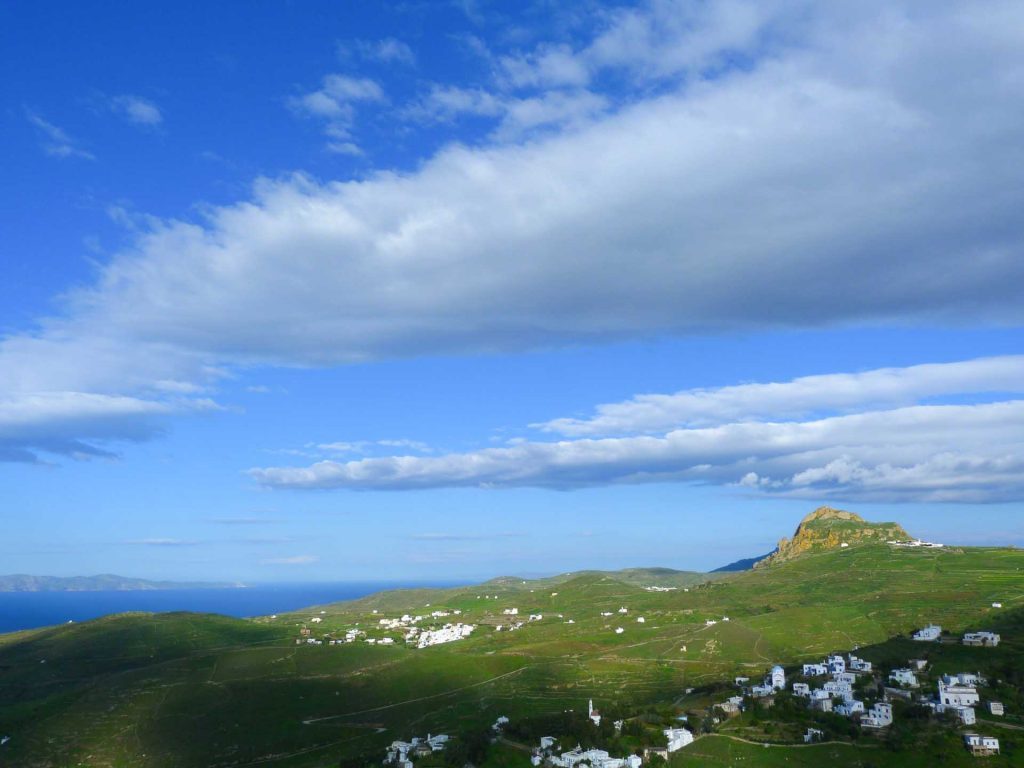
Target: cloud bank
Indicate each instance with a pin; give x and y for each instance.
(950, 452)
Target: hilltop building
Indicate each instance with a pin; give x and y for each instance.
(929, 634)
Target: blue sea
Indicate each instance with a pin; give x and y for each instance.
(27, 610)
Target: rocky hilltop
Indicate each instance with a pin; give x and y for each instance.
(829, 528)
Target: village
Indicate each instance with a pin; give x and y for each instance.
(851, 682)
(549, 750)
(843, 685)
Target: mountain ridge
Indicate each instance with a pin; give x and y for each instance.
(103, 582)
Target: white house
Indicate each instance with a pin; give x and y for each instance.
(777, 678)
(640, 620)
(801, 689)
(929, 634)
(958, 695)
(678, 738)
(996, 708)
(836, 664)
(988, 639)
(592, 713)
(879, 716)
(981, 745)
(813, 734)
(859, 665)
(964, 714)
(849, 708)
(904, 677)
(814, 670)
(619, 630)
(836, 688)
(964, 678)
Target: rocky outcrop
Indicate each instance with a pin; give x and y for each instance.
(828, 528)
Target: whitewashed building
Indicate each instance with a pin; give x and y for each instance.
(677, 738)
(929, 634)
(879, 716)
(958, 695)
(988, 639)
(904, 677)
(980, 746)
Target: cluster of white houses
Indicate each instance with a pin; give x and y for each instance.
(446, 634)
(400, 753)
(837, 694)
(547, 753)
(933, 634)
(916, 543)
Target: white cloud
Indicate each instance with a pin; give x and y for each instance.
(920, 453)
(56, 141)
(798, 398)
(335, 103)
(163, 542)
(80, 424)
(293, 560)
(137, 110)
(853, 170)
(388, 50)
(363, 446)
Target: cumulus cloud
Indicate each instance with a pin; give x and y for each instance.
(780, 165)
(518, 114)
(137, 110)
(335, 104)
(78, 424)
(921, 453)
(799, 397)
(56, 141)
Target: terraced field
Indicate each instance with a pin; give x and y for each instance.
(193, 690)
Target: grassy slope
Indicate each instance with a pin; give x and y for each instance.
(186, 690)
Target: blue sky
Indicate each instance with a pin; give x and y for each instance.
(298, 291)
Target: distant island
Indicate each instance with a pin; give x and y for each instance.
(105, 582)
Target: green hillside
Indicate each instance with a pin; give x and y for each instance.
(196, 690)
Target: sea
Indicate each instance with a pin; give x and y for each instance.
(29, 610)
